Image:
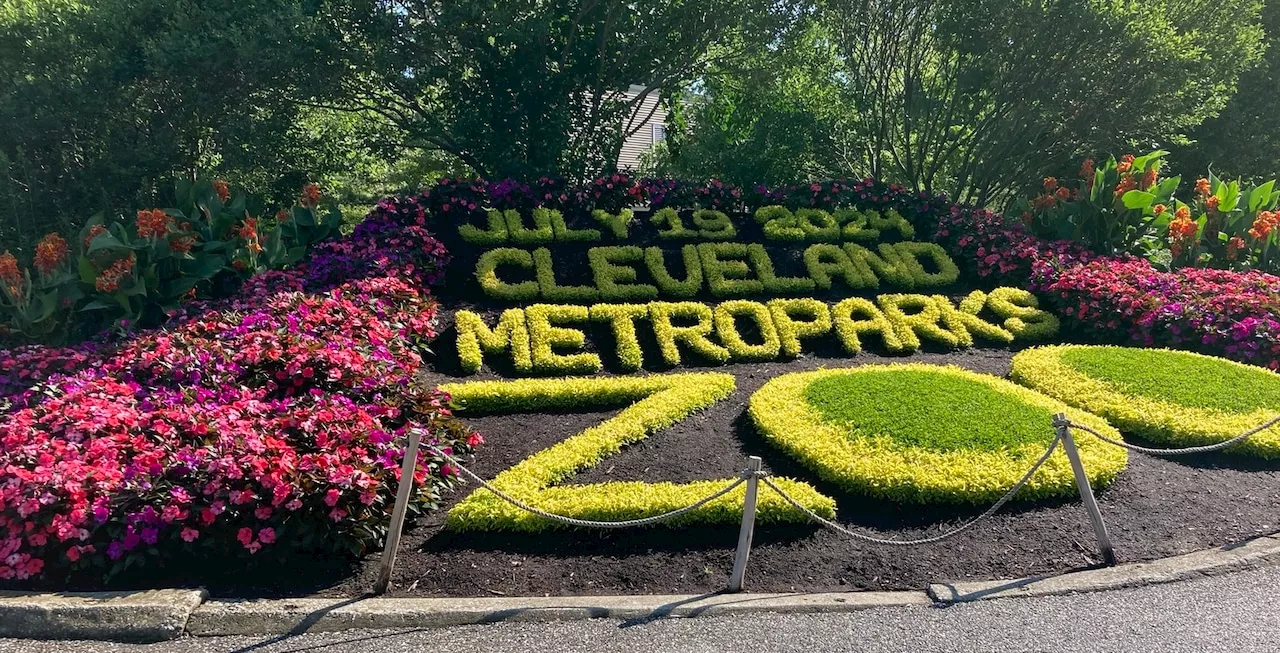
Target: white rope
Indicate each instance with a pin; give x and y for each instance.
(1175, 452)
(928, 540)
(586, 523)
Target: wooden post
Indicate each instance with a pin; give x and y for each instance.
(407, 467)
(1086, 491)
(748, 525)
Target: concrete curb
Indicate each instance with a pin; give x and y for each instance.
(1208, 562)
(165, 614)
(150, 616)
(275, 617)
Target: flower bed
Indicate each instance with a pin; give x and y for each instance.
(266, 421)
(1170, 397)
(924, 433)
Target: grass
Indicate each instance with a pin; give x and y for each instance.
(932, 410)
(1179, 378)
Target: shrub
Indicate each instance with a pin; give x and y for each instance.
(475, 339)
(486, 274)
(618, 223)
(693, 336)
(1169, 397)
(545, 271)
(725, 267)
(617, 282)
(925, 434)
(651, 403)
(495, 232)
(622, 318)
(799, 318)
(850, 330)
(133, 273)
(914, 317)
(1021, 313)
(727, 329)
(772, 283)
(545, 337)
(714, 225)
(667, 285)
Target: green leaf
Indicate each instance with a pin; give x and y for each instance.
(95, 305)
(105, 240)
(205, 266)
(1137, 199)
(1259, 195)
(88, 273)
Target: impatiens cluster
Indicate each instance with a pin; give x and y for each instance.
(273, 419)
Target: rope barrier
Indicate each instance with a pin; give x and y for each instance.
(1208, 448)
(928, 540)
(587, 523)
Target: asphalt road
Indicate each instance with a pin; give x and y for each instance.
(1237, 612)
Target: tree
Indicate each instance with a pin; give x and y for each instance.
(1244, 139)
(976, 97)
(532, 87)
(117, 97)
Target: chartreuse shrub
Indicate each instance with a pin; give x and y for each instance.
(475, 339)
(670, 225)
(855, 317)
(486, 274)
(725, 267)
(617, 223)
(545, 336)
(1175, 398)
(825, 260)
(667, 284)
(495, 233)
(769, 279)
(1021, 314)
(713, 224)
(664, 316)
(926, 434)
(622, 319)
(726, 315)
(615, 274)
(799, 318)
(562, 231)
(540, 234)
(552, 291)
(651, 403)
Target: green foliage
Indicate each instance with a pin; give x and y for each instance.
(552, 291)
(622, 318)
(475, 339)
(615, 273)
(486, 273)
(135, 273)
(618, 223)
(726, 315)
(649, 404)
(545, 337)
(926, 434)
(668, 285)
(1022, 317)
(725, 268)
(694, 336)
(527, 89)
(799, 318)
(495, 231)
(937, 95)
(1175, 398)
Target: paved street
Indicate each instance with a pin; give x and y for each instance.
(1229, 613)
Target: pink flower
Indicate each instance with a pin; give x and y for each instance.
(331, 498)
(245, 535)
(190, 535)
(267, 535)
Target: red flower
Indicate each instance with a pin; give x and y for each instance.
(51, 252)
(153, 224)
(222, 189)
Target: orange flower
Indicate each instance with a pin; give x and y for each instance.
(1182, 231)
(109, 279)
(1149, 179)
(222, 189)
(1063, 193)
(1202, 186)
(310, 195)
(249, 232)
(1086, 170)
(94, 232)
(153, 224)
(1234, 246)
(1263, 224)
(1050, 184)
(51, 251)
(283, 215)
(182, 244)
(10, 275)
(1212, 202)
(1160, 209)
(1125, 164)
(1044, 202)
(1127, 184)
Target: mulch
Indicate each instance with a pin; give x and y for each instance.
(1157, 508)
